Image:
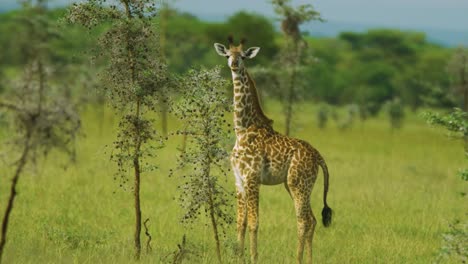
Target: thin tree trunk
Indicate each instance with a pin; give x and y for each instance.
(21, 163)
(137, 140)
(214, 225)
(23, 159)
(207, 165)
(290, 99)
(289, 103)
(136, 165)
(137, 170)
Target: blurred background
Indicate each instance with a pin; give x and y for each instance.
(365, 52)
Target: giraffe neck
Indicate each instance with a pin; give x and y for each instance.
(247, 109)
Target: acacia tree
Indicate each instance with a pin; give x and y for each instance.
(291, 54)
(203, 108)
(41, 119)
(133, 80)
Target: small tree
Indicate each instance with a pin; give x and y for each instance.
(41, 119)
(42, 122)
(291, 55)
(133, 81)
(203, 109)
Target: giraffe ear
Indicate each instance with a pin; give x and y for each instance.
(251, 52)
(221, 49)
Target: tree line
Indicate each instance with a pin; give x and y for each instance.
(368, 68)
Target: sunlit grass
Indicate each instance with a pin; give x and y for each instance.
(393, 195)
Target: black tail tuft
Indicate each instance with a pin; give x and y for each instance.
(326, 216)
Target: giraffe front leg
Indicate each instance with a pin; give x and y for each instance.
(241, 207)
(252, 218)
(241, 221)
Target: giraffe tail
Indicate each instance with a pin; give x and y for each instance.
(326, 211)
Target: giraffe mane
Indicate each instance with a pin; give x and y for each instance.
(267, 121)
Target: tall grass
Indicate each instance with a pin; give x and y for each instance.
(393, 195)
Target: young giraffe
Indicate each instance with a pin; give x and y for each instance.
(263, 156)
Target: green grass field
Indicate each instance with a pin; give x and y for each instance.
(393, 196)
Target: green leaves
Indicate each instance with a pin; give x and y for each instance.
(203, 109)
(134, 78)
(456, 121)
(91, 14)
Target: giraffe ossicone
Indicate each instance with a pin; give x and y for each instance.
(263, 156)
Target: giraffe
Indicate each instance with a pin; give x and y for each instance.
(263, 156)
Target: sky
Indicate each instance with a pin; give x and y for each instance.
(435, 14)
(405, 14)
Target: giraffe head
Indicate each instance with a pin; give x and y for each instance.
(236, 54)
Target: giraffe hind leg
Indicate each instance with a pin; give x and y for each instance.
(301, 189)
(305, 226)
(310, 237)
